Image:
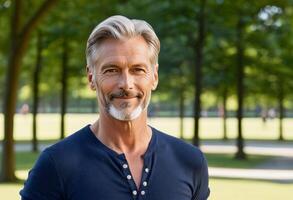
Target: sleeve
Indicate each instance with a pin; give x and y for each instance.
(43, 182)
(202, 191)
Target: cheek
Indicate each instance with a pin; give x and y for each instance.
(146, 83)
(105, 86)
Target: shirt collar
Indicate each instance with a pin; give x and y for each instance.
(150, 149)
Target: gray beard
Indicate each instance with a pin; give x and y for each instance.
(122, 115)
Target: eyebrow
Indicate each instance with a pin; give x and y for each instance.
(110, 65)
(114, 65)
(140, 65)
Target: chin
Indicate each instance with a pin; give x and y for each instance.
(124, 115)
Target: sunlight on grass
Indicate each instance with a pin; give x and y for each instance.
(225, 189)
(10, 191)
(21, 174)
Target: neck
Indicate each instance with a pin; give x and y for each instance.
(129, 137)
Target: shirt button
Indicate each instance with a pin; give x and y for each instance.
(145, 183)
(134, 192)
(142, 192)
(128, 177)
(125, 166)
(147, 170)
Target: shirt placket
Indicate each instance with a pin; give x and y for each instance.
(144, 182)
(141, 193)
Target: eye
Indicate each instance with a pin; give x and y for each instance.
(110, 71)
(138, 70)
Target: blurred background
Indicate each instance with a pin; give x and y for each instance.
(225, 85)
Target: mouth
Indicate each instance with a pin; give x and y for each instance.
(125, 95)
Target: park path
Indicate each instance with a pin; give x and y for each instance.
(279, 168)
(269, 148)
(277, 175)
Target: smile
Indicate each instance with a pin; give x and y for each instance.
(126, 97)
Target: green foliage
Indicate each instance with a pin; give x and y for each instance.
(267, 42)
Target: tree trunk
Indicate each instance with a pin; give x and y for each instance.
(64, 87)
(8, 158)
(36, 91)
(198, 65)
(281, 110)
(181, 112)
(225, 137)
(240, 87)
(19, 42)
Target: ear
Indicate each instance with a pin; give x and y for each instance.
(156, 77)
(90, 77)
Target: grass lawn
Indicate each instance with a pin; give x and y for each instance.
(228, 161)
(210, 128)
(25, 160)
(226, 189)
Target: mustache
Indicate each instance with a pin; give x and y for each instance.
(125, 93)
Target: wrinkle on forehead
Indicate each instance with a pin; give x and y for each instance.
(132, 51)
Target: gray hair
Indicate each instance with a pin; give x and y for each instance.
(120, 27)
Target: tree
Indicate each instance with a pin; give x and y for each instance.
(36, 78)
(272, 64)
(4, 37)
(20, 36)
(240, 85)
(219, 70)
(198, 69)
(64, 80)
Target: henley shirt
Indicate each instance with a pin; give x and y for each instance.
(81, 167)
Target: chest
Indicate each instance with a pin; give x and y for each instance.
(109, 179)
(135, 165)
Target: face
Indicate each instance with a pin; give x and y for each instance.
(123, 78)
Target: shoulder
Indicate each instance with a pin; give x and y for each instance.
(177, 144)
(71, 142)
(70, 151)
(183, 151)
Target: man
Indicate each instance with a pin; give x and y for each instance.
(120, 157)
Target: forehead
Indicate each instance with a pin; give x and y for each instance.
(133, 49)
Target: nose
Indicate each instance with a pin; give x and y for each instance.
(126, 81)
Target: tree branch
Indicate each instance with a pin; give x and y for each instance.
(32, 23)
(15, 19)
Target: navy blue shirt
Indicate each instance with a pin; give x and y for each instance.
(81, 167)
